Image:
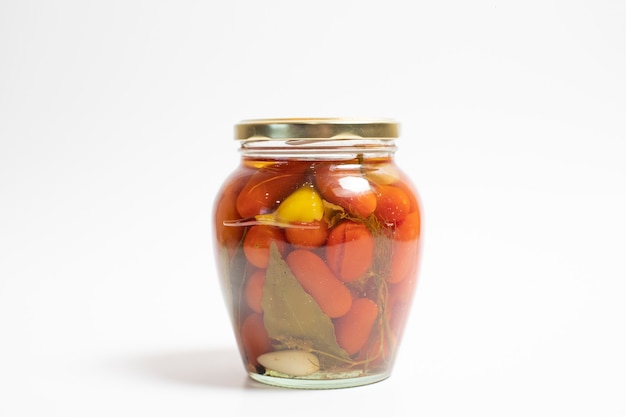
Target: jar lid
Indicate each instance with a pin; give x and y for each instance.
(316, 128)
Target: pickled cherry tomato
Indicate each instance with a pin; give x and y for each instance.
(254, 338)
(399, 301)
(346, 187)
(254, 290)
(333, 298)
(349, 250)
(405, 249)
(402, 292)
(405, 185)
(392, 204)
(268, 187)
(353, 329)
(256, 244)
(409, 229)
(226, 209)
(311, 236)
(404, 259)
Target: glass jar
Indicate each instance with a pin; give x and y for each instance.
(317, 238)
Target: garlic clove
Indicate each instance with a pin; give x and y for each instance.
(290, 362)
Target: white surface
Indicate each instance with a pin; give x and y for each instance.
(115, 133)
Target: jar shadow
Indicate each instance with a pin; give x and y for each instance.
(216, 368)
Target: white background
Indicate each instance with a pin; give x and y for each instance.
(116, 125)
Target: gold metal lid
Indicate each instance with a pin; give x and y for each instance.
(316, 128)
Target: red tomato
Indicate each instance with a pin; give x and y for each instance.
(268, 187)
(256, 244)
(254, 290)
(407, 187)
(225, 209)
(404, 259)
(353, 329)
(308, 237)
(349, 250)
(346, 187)
(392, 204)
(254, 338)
(333, 298)
(409, 229)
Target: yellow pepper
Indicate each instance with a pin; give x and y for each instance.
(303, 206)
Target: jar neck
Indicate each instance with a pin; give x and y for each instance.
(319, 149)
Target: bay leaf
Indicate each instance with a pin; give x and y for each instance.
(291, 316)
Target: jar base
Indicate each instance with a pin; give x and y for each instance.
(325, 382)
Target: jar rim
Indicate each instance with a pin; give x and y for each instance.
(328, 128)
